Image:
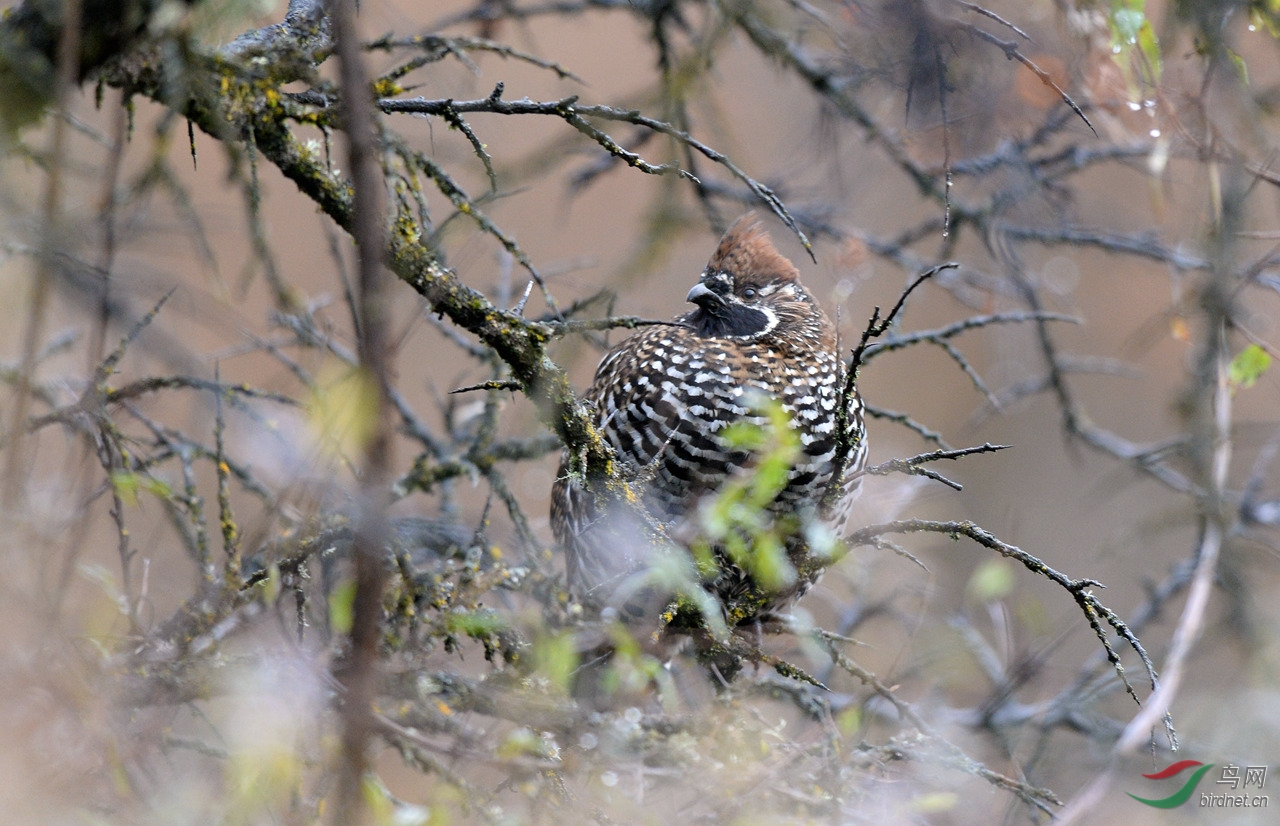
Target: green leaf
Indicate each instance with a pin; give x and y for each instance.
(475, 624)
(993, 580)
(377, 798)
(273, 584)
(849, 720)
(1132, 32)
(744, 435)
(769, 563)
(1267, 19)
(557, 659)
(342, 606)
(1150, 48)
(343, 410)
(157, 488)
(770, 477)
(935, 802)
(704, 561)
(522, 742)
(1248, 366)
(1126, 22)
(126, 486)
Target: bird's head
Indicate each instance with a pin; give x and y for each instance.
(749, 291)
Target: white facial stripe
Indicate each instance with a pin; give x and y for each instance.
(773, 319)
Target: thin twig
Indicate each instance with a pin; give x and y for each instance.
(912, 466)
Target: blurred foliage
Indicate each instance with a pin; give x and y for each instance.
(1134, 43)
(738, 517)
(1249, 365)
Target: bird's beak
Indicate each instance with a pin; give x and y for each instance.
(703, 296)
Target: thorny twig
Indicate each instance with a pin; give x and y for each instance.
(912, 466)
(846, 434)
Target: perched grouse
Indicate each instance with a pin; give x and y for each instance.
(663, 400)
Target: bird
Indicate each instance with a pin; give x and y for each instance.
(666, 400)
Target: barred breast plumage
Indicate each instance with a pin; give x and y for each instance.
(664, 398)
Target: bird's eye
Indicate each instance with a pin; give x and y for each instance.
(748, 293)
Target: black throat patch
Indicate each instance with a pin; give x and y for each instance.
(727, 320)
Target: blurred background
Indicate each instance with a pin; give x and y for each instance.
(1152, 226)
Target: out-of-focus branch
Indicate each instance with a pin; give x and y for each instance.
(306, 33)
(68, 59)
(359, 674)
(41, 39)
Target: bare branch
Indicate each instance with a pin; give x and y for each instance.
(912, 466)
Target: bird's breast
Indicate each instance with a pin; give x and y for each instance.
(667, 408)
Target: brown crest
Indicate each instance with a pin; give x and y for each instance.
(747, 251)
